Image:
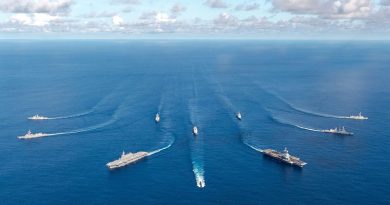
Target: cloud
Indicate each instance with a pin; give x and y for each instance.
(117, 20)
(37, 19)
(133, 2)
(127, 10)
(247, 7)
(217, 4)
(308, 17)
(385, 2)
(35, 6)
(225, 20)
(347, 9)
(177, 9)
(297, 6)
(163, 17)
(157, 17)
(352, 9)
(94, 14)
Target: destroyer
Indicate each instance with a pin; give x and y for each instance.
(195, 130)
(358, 117)
(338, 131)
(126, 159)
(238, 115)
(157, 118)
(284, 157)
(38, 117)
(30, 135)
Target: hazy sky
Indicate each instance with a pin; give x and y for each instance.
(302, 19)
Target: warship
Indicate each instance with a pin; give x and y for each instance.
(38, 117)
(358, 117)
(238, 115)
(31, 135)
(126, 159)
(338, 131)
(195, 130)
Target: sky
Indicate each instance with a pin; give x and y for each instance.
(241, 19)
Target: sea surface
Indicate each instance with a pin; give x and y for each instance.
(102, 95)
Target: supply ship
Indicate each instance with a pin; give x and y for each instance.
(284, 157)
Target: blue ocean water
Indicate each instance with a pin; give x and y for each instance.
(105, 94)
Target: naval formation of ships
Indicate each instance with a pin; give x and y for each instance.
(129, 158)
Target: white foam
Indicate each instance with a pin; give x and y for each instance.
(253, 147)
(295, 125)
(299, 109)
(159, 150)
(199, 176)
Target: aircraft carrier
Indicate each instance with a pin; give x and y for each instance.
(126, 159)
(284, 157)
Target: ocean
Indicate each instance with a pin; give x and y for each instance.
(101, 97)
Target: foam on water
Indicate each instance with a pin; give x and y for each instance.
(199, 177)
(197, 141)
(93, 109)
(159, 150)
(253, 147)
(305, 111)
(285, 122)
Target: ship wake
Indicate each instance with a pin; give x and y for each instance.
(93, 109)
(305, 111)
(285, 122)
(70, 116)
(113, 119)
(253, 147)
(161, 149)
(199, 175)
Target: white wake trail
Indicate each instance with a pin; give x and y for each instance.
(197, 143)
(91, 128)
(295, 125)
(253, 147)
(199, 176)
(172, 140)
(302, 110)
(93, 109)
(159, 150)
(70, 116)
